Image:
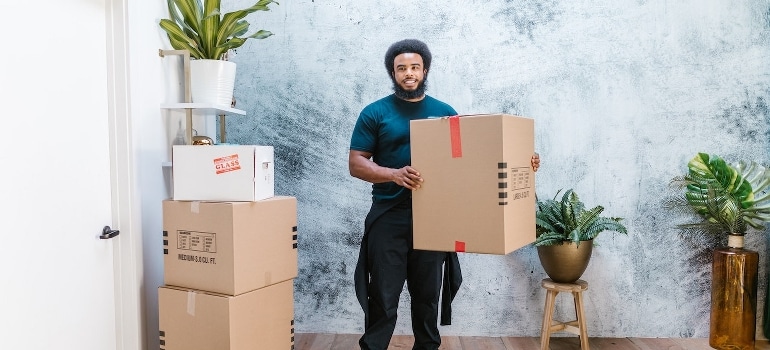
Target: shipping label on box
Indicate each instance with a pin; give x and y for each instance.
(223, 172)
(229, 247)
(478, 194)
(200, 320)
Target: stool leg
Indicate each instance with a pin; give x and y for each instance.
(545, 333)
(581, 320)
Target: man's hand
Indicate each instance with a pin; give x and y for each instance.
(535, 162)
(361, 166)
(407, 177)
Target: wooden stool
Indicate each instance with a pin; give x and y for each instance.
(575, 327)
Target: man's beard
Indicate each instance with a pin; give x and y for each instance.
(409, 95)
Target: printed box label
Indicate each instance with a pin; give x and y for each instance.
(520, 179)
(227, 164)
(197, 241)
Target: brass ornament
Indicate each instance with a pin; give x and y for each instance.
(202, 141)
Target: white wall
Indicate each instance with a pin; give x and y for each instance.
(154, 80)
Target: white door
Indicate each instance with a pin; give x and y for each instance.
(58, 288)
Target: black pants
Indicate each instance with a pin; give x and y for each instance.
(391, 262)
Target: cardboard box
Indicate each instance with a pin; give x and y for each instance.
(479, 189)
(198, 320)
(229, 247)
(222, 172)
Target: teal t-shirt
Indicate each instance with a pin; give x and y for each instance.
(382, 129)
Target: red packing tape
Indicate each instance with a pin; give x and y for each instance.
(459, 246)
(454, 135)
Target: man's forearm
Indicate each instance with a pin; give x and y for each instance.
(369, 171)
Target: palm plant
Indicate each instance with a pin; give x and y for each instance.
(568, 220)
(729, 198)
(202, 29)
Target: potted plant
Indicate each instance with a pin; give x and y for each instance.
(729, 200)
(209, 35)
(565, 231)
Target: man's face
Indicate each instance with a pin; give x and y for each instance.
(409, 76)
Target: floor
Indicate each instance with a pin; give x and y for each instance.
(323, 341)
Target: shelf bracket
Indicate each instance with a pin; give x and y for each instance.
(187, 92)
(222, 128)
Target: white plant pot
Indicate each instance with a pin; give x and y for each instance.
(212, 81)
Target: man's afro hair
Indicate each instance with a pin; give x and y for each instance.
(407, 46)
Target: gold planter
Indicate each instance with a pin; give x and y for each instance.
(566, 262)
(734, 298)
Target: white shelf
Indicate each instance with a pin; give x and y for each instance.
(205, 107)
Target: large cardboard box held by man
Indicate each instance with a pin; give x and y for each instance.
(229, 247)
(199, 320)
(222, 172)
(479, 189)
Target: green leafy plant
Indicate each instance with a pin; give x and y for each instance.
(568, 220)
(202, 29)
(729, 198)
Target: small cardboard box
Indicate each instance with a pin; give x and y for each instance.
(229, 247)
(198, 320)
(222, 172)
(479, 189)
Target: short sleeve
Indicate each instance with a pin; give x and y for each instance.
(364, 136)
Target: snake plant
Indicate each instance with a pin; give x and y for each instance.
(729, 198)
(568, 220)
(202, 29)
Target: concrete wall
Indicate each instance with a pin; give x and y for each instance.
(623, 94)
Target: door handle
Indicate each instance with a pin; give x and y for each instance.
(108, 233)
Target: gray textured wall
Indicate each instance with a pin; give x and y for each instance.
(623, 94)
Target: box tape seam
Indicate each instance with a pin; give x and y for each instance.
(191, 303)
(454, 137)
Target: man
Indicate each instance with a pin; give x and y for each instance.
(380, 154)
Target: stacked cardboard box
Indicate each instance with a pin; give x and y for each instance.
(223, 173)
(230, 253)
